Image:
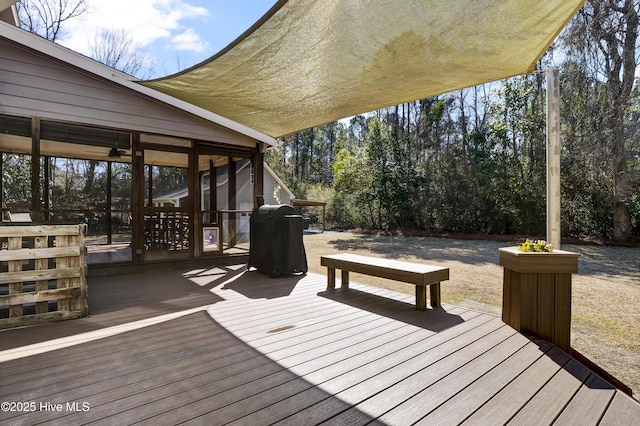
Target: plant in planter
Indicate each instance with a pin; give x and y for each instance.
(538, 246)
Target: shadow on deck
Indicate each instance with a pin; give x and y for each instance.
(210, 345)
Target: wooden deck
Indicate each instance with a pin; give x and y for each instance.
(181, 344)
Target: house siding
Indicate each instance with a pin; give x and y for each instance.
(270, 186)
(32, 84)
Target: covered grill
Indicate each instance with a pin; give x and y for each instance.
(276, 240)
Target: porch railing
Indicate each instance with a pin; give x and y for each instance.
(166, 228)
(42, 274)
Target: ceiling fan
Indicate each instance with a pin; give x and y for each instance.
(117, 153)
(113, 154)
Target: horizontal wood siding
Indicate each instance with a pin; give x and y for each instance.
(39, 86)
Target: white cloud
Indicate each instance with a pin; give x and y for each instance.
(189, 40)
(146, 21)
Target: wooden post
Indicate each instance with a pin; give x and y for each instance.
(137, 199)
(109, 205)
(63, 263)
(213, 190)
(195, 203)
(258, 175)
(15, 243)
(35, 170)
(46, 200)
(1, 185)
(82, 303)
(553, 158)
(231, 168)
(42, 241)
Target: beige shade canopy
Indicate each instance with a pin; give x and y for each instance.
(309, 62)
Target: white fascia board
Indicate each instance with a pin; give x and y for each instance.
(92, 66)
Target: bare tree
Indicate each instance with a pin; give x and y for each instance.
(112, 47)
(45, 17)
(115, 48)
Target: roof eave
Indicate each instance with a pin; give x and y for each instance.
(61, 53)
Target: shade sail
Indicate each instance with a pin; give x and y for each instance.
(308, 62)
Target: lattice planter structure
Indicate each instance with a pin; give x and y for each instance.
(42, 274)
(536, 294)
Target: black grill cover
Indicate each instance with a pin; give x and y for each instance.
(276, 240)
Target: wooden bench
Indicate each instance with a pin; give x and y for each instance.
(422, 276)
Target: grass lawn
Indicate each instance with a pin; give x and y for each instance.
(605, 299)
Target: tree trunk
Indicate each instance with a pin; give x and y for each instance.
(614, 26)
(621, 177)
(621, 196)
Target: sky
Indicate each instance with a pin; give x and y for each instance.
(172, 34)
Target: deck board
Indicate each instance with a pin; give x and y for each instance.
(391, 401)
(443, 379)
(246, 349)
(511, 398)
(622, 411)
(552, 398)
(593, 398)
(461, 405)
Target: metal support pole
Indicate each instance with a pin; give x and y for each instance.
(553, 158)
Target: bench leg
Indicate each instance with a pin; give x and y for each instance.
(434, 289)
(331, 278)
(345, 279)
(421, 297)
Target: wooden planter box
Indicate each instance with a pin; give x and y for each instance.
(536, 294)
